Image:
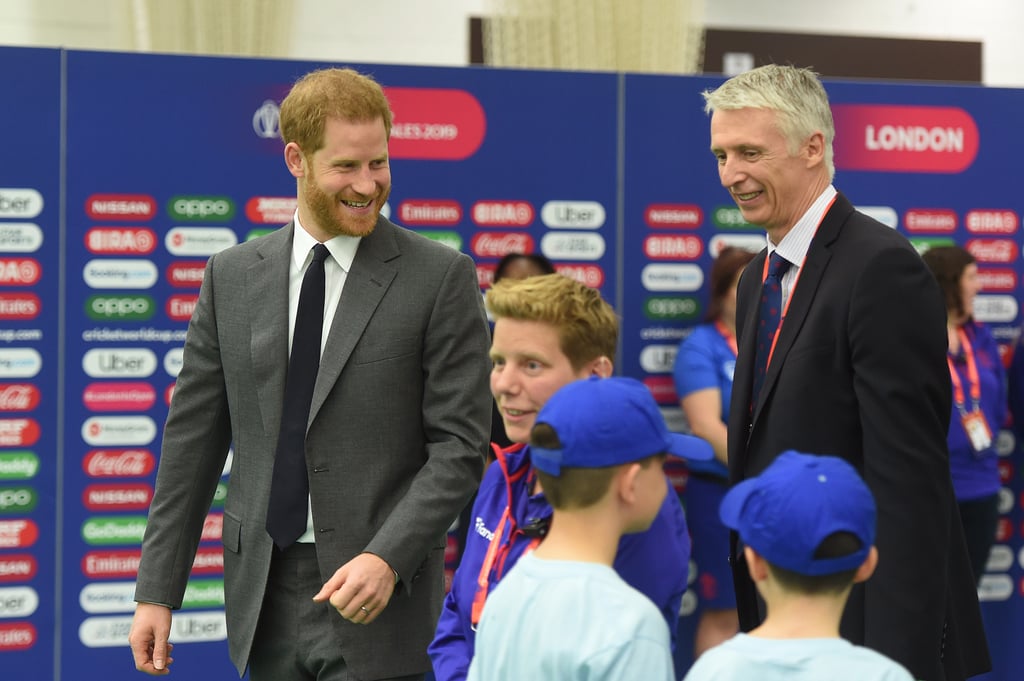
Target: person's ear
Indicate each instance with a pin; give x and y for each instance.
(814, 148)
(601, 367)
(756, 565)
(626, 482)
(294, 159)
(867, 568)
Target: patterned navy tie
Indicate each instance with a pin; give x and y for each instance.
(769, 317)
(289, 489)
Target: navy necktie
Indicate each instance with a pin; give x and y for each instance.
(289, 489)
(769, 318)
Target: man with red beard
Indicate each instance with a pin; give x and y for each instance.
(334, 572)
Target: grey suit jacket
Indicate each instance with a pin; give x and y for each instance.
(859, 372)
(397, 432)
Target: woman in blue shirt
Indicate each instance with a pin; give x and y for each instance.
(703, 379)
(978, 384)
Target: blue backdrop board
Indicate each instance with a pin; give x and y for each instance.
(930, 161)
(109, 212)
(30, 338)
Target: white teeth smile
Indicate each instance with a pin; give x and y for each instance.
(355, 204)
(747, 197)
(514, 412)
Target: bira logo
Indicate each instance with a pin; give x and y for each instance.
(499, 244)
(991, 222)
(502, 213)
(18, 397)
(673, 247)
(921, 139)
(19, 271)
(120, 240)
(588, 275)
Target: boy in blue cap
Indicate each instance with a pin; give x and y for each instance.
(807, 526)
(562, 612)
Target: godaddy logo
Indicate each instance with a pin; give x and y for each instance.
(729, 217)
(19, 465)
(216, 208)
(127, 530)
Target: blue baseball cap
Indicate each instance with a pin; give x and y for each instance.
(604, 422)
(787, 511)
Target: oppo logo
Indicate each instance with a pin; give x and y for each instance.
(119, 430)
(573, 245)
(199, 240)
(120, 274)
(17, 500)
(120, 240)
(20, 237)
(135, 308)
(119, 362)
(217, 208)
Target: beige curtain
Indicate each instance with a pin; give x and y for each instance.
(656, 36)
(231, 27)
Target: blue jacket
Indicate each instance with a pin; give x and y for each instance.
(654, 562)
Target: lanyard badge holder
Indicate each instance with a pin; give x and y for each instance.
(973, 421)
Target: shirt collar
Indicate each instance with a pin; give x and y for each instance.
(342, 248)
(795, 244)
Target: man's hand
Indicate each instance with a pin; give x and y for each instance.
(148, 639)
(360, 589)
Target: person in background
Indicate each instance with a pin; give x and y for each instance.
(840, 331)
(807, 524)
(387, 448)
(703, 378)
(599, 448)
(515, 266)
(548, 331)
(979, 401)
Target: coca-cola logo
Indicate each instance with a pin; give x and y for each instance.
(992, 250)
(18, 397)
(118, 463)
(500, 244)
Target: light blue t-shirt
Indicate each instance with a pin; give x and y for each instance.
(553, 619)
(746, 657)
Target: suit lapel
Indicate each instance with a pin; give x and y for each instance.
(365, 286)
(267, 303)
(808, 283)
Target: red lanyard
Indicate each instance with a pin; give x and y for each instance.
(792, 290)
(483, 580)
(972, 376)
(729, 336)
